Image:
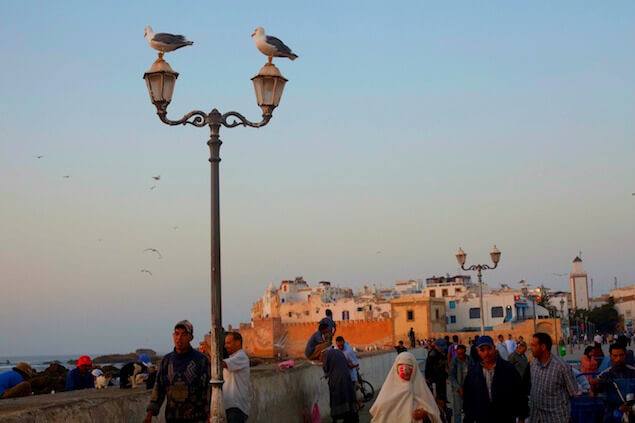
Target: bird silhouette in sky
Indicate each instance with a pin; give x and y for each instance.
(154, 250)
(66, 176)
(38, 157)
(175, 227)
(146, 271)
(157, 178)
(560, 274)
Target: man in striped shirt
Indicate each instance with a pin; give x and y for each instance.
(552, 383)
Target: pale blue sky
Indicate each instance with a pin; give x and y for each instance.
(409, 129)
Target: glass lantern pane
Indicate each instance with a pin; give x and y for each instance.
(258, 89)
(156, 86)
(168, 86)
(268, 91)
(278, 91)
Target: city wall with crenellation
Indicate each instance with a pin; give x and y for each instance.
(270, 337)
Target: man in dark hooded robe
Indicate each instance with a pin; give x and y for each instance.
(341, 389)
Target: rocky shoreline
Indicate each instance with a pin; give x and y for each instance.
(123, 358)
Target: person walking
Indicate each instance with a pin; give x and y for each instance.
(501, 349)
(80, 377)
(588, 363)
(183, 378)
(342, 396)
(404, 396)
(510, 344)
(459, 367)
(474, 350)
(400, 347)
(411, 337)
(436, 370)
(518, 358)
(552, 383)
(353, 362)
(15, 383)
(619, 369)
(493, 390)
(236, 379)
(452, 349)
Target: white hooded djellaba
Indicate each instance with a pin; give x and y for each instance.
(399, 398)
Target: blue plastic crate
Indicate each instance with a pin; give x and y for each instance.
(587, 409)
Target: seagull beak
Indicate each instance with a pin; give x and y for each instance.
(253, 35)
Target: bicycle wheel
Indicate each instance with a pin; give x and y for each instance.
(367, 390)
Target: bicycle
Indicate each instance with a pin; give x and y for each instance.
(364, 387)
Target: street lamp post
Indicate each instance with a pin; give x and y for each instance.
(496, 256)
(562, 315)
(268, 85)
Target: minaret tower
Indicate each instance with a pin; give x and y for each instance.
(579, 285)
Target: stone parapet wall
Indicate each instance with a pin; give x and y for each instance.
(276, 396)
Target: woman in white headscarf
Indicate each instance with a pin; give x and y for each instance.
(404, 396)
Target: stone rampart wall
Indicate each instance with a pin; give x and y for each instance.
(276, 396)
(268, 337)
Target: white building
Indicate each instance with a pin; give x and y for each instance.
(558, 299)
(579, 286)
(625, 305)
(500, 306)
(296, 301)
(448, 286)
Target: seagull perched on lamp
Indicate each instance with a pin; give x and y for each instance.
(271, 46)
(164, 42)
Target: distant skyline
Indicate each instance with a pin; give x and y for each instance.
(409, 130)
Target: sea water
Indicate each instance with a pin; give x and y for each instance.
(41, 362)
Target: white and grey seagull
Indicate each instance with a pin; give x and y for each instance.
(165, 42)
(271, 46)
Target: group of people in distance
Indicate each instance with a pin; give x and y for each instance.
(496, 382)
(404, 396)
(17, 381)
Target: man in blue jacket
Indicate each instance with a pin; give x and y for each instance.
(493, 390)
(80, 377)
(15, 382)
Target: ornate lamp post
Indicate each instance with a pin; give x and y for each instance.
(496, 256)
(562, 314)
(268, 84)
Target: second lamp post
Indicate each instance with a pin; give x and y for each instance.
(496, 256)
(268, 84)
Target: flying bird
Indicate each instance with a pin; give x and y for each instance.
(154, 250)
(271, 46)
(165, 42)
(175, 227)
(66, 176)
(38, 157)
(157, 178)
(146, 271)
(560, 274)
